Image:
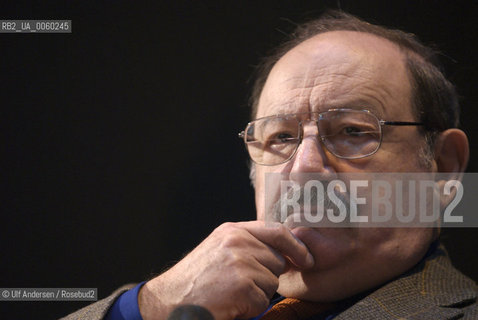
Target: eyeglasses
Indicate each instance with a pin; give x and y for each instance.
(346, 133)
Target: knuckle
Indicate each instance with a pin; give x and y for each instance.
(283, 231)
(246, 286)
(231, 239)
(260, 303)
(277, 265)
(235, 263)
(270, 287)
(224, 227)
(273, 286)
(280, 236)
(272, 291)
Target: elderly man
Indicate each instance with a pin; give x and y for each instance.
(334, 68)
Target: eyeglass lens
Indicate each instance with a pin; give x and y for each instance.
(345, 133)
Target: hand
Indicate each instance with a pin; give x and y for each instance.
(233, 272)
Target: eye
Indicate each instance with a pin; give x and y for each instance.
(353, 131)
(283, 137)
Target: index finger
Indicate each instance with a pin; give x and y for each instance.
(281, 239)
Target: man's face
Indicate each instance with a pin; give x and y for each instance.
(345, 69)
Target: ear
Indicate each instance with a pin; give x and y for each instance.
(451, 151)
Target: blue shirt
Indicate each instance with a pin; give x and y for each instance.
(126, 306)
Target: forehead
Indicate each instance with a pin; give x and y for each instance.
(339, 69)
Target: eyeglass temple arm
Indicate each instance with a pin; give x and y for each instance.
(400, 123)
(382, 122)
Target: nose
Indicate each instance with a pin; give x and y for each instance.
(311, 155)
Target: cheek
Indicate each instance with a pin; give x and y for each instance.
(259, 192)
(263, 191)
(389, 251)
(400, 156)
(396, 249)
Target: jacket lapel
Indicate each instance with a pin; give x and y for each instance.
(432, 290)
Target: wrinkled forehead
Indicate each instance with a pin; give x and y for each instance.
(339, 69)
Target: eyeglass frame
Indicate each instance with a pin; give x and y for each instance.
(381, 122)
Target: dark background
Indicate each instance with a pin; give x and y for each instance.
(119, 148)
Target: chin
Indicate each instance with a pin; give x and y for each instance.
(351, 261)
(337, 284)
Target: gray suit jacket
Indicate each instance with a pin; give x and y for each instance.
(99, 309)
(431, 290)
(434, 289)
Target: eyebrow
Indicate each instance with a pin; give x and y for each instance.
(358, 105)
(287, 109)
(284, 108)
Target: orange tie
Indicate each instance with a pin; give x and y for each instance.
(293, 309)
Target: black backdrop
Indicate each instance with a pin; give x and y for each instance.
(119, 148)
